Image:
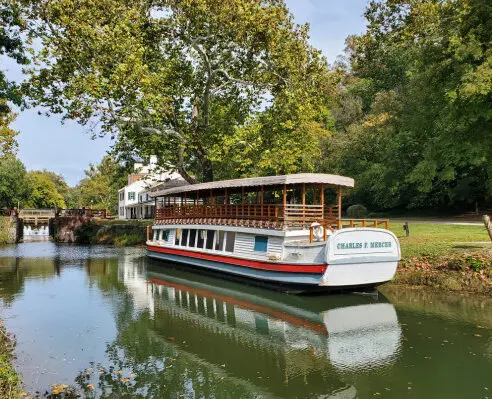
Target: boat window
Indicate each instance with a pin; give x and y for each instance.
(210, 239)
(165, 235)
(200, 240)
(177, 237)
(231, 237)
(261, 243)
(219, 242)
(156, 235)
(192, 238)
(184, 237)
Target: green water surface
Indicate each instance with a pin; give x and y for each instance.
(116, 325)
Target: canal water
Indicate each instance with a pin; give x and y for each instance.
(113, 324)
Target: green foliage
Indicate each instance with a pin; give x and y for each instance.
(10, 382)
(8, 144)
(99, 189)
(43, 191)
(118, 234)
(357, 211)
(214, 90)
(11, 25)
(414, 112)
(14, 188)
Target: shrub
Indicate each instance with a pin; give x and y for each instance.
(357, 211)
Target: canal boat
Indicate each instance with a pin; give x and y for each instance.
(286, 231)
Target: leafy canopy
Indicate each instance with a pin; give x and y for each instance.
(414, 115)
(214, 88)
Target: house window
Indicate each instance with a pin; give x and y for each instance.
(131, 195)
(122, 196)
(261, 243)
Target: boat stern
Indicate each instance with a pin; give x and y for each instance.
(360, 257)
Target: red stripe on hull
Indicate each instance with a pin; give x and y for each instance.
(274, 267)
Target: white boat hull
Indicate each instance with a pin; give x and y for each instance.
(350, 258)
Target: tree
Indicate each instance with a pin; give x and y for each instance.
(43, 191)
(8, 144)
(13, 184)
(214, 88)
(11, 45)
(422, 76)
(99, 189)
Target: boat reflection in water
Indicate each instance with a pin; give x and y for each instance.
(279, 342)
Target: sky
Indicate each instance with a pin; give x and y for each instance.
(67, 149)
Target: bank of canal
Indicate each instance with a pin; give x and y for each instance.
(110, 323)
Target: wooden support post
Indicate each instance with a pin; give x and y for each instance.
(148, 233)
(284, 201)
(310, 235)
(262, 193)
(364, 223)
(339, 203)
(322, 200)
(387, 225)
(303, 204)
(242, 201)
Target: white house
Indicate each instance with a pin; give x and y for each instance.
(134, 201)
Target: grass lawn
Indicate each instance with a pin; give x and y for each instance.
(444, 256)
(441, 239)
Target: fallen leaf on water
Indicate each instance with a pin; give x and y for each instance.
(90, 387)
(481, 326)
(124, 379)
(171, 338)
(101, 371)
(222, 365)
(477, 335)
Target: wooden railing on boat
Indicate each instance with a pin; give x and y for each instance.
(289, 216)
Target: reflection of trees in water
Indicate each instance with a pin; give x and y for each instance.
(178, 366)
(451, 305)
(188, 352)
(14, 271)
